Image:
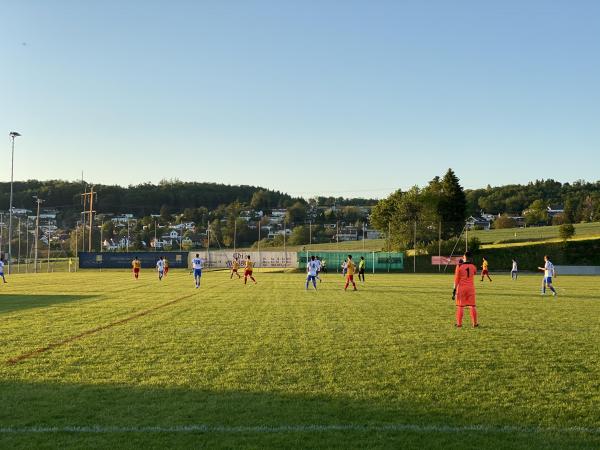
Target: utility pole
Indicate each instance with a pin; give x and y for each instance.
(91, 194)
(155, 241)
(49, 238)
(91, 221)
(13, 135)
(27, 254)
(84, 201)
(19, 249)
(415, 251)
(39, 201)
(284, 251)
(127, 241)
(234, 232)
(1, 230)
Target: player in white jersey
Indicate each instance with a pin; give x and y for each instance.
(197, 264)
(549, 272)
(2, 270)
(318, 261)
(514, 272)
(160, 268)
(312, 267)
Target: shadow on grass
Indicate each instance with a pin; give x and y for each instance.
(124, 414)
(16, 302)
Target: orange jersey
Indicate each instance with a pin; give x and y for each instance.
(136, 264)
(464, 277)
(484, 266)
(235, 265)
(249, 265)
(351, 268)
(166, 263)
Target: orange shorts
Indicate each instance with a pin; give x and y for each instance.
(350, 278)
(465, 297)
(136, 270)
(247, 273)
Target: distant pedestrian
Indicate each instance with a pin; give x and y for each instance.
(514, 273)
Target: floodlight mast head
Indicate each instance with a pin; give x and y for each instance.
(14, 134)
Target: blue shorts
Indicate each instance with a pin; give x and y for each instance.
(548, 280)
(197, 273)
(311, 278)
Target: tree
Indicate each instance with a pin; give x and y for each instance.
(296, 213)
(452, 206)
(165, 214)
(300, 235)
(504, 221)
(566, 231)
(536, 214)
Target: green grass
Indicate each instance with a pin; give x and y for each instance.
(273, 366)
(582, 230)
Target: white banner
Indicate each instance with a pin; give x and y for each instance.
(223, 259)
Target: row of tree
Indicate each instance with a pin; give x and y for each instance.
(581, 200)
(422, 213)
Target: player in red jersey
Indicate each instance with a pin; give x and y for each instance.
(464, 290)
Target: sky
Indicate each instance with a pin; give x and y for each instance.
(344, 98)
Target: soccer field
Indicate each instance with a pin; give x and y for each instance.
(98, 360)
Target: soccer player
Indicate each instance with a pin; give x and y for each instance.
(484, 270)
(350, 269)
(197, 264)
(514, 272)
(136, 265)
(323, 266)
(344, 268)
(549, 272)
(2, 269)
(160, 268)
(248, 270)
(361, 269)
(312, 268)
(166, 264)
(318, 261)
(464, 290)
(235, 265)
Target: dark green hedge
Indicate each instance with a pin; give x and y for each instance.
(529, 257)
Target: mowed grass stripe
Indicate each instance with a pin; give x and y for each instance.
(108, 293)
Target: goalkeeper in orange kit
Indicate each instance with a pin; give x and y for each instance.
(464, 290)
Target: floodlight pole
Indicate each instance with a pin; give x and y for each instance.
(37, 232)
(13, 135)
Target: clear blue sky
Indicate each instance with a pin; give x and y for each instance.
(309, 97)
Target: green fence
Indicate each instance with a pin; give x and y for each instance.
(375, 261)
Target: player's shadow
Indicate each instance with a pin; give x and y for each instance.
(240, 419)
(12, 302)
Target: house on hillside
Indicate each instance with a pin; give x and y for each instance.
(478, 223)
(553, 212)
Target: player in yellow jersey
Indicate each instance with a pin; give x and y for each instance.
(248, 270)
(136, 264)
(235, 265)
(166, 264)
(351, 269)
(484, 270)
